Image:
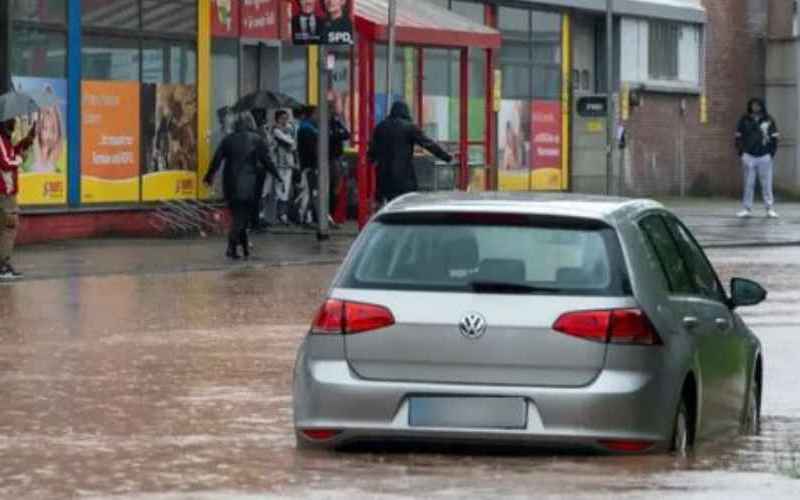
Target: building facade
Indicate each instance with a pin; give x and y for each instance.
(142, 86)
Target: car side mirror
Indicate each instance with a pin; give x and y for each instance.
(746, 293)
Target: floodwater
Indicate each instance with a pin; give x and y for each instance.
(179, 386)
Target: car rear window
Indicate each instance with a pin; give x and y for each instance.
(454, 252)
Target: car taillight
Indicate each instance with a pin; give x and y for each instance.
(616, 326)
(341, 317)
(626, 446)
(320, 434)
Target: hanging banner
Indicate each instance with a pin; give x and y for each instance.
(225, 18)
(110, 142)
(169, 133)
(546, 151)
(43, 175)
(259, 19)
(327, 22)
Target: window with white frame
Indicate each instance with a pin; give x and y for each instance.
(661, 52)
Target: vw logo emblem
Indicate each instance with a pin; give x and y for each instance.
(473, 326)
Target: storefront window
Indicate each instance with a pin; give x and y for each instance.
(404, 76)
(440, 102)
(224, 85)
(471, 10)
(294, 72)
(41, 11)
(110, 58)
(37, 52)
(116, 14)
(166, 61)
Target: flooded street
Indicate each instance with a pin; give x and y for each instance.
(179, 386)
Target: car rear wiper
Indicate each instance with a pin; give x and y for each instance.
(514, 288)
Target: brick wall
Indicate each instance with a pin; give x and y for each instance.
(670, 151)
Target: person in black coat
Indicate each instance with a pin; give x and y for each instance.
(245, 155)
(392, 150)
(339, 135)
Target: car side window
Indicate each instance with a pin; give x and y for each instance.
(703, 275)
(666, 250)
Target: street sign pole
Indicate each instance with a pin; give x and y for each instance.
(390, 54)
(323, 145)
(5, 47)
(609, 96)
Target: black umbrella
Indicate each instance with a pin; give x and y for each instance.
(266, 99)
(14, 104)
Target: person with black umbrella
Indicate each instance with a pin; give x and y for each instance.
(245, 155)
(10, 161)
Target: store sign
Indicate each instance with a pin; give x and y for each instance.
(225, 18)
(325, 22)
(259, 19)
(546, 135)
(592, 107)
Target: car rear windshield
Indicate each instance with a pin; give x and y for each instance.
(487, 253)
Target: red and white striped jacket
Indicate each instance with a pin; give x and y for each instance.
(10, 161)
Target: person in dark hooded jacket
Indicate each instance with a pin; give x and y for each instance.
(245, 155)
(392, 150)
(757, 143)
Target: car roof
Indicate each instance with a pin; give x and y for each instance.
(604, 208)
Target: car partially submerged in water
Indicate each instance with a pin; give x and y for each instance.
(540, 320)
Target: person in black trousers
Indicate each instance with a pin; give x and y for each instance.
(245, 155)
(339, 135)
(392, 150)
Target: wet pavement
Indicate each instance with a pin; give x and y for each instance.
(178, 385)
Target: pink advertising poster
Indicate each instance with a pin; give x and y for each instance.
(545, 135)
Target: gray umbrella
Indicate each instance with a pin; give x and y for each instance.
(14, 104)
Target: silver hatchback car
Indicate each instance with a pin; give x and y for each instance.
(542, 320)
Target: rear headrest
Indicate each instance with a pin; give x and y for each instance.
(572, 276)
(461, 252)
(503, 270)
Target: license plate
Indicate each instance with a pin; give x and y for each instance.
(468, 413)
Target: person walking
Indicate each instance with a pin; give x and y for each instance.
(10, 161)
(307, 139)
(246, 156)
(285, 155)
(265, 183)
(339, 135)
(392, 150)
(757, 143)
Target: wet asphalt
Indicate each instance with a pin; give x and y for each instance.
(178, 385)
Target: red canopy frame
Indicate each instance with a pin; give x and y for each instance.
(419, 35)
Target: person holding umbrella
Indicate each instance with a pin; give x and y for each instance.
(10, 161)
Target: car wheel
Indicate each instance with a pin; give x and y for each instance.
(681, 437)
(752, 416)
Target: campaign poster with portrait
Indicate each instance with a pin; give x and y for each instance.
(110, 146)
(169, 135)
(322, 22)
(43, 175)
(546, 151)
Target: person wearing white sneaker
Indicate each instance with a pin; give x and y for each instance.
(757, 143)
(11, 156)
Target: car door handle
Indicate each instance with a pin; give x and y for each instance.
(691, 322)
(723, 324)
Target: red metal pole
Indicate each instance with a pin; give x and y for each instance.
(363, 133)
(371, 121)
(463, 147)
(491, 125)
(420, 85)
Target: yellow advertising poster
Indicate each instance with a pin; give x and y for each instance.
(110, 142)
(43, 175)
(169, 132)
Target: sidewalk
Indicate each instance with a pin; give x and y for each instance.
(713, 221)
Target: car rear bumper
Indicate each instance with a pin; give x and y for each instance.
(618, 405)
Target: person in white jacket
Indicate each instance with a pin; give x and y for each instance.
(285, 156)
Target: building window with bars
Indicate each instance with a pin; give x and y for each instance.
(664, 50)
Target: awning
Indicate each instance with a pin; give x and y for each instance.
(422, 23)
(690, 11)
